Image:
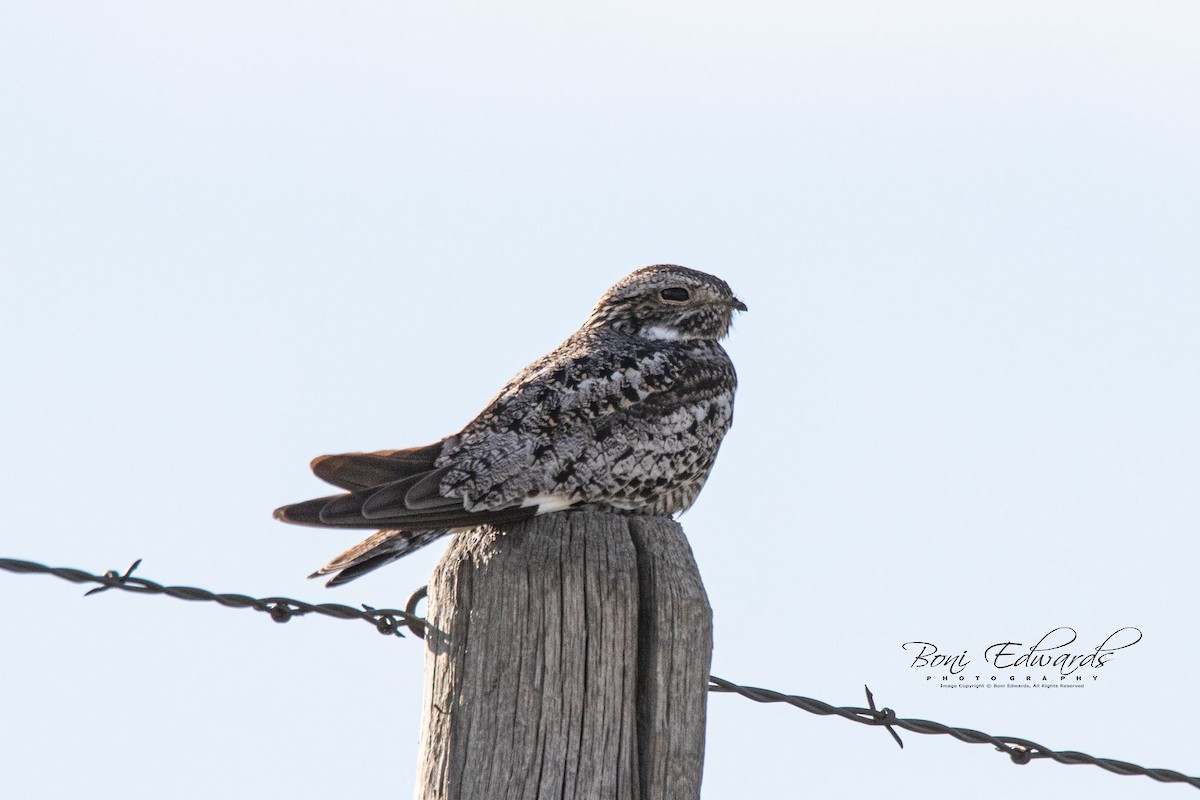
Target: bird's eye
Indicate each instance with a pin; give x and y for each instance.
(675, 294)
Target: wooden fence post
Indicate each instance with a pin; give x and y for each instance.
(567, 658)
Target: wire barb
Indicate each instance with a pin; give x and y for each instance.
(388, 621)
(114, 578)
(282, 611)
(883, 717)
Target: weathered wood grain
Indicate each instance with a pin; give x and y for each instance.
(566, 659)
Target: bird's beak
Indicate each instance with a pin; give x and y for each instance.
(738, 305)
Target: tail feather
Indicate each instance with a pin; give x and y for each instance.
(354, 471)
(374, 552)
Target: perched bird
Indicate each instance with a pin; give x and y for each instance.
(627, 414)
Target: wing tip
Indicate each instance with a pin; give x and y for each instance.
(307, 512)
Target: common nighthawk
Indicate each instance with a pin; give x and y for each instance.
(626, 414)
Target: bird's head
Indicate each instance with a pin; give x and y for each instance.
(668, 302)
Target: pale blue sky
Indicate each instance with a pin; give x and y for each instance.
(238, 235)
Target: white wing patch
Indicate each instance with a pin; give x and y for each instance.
(547, 502)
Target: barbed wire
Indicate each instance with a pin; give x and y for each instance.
(1021, 751)
(389, 621)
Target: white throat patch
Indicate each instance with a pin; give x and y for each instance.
(661, 333)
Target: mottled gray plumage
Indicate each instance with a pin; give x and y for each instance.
(627, 414)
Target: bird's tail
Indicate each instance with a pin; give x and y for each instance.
(381, 548)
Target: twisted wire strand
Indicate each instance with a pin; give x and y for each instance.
(1021, 751)
(389, 621)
